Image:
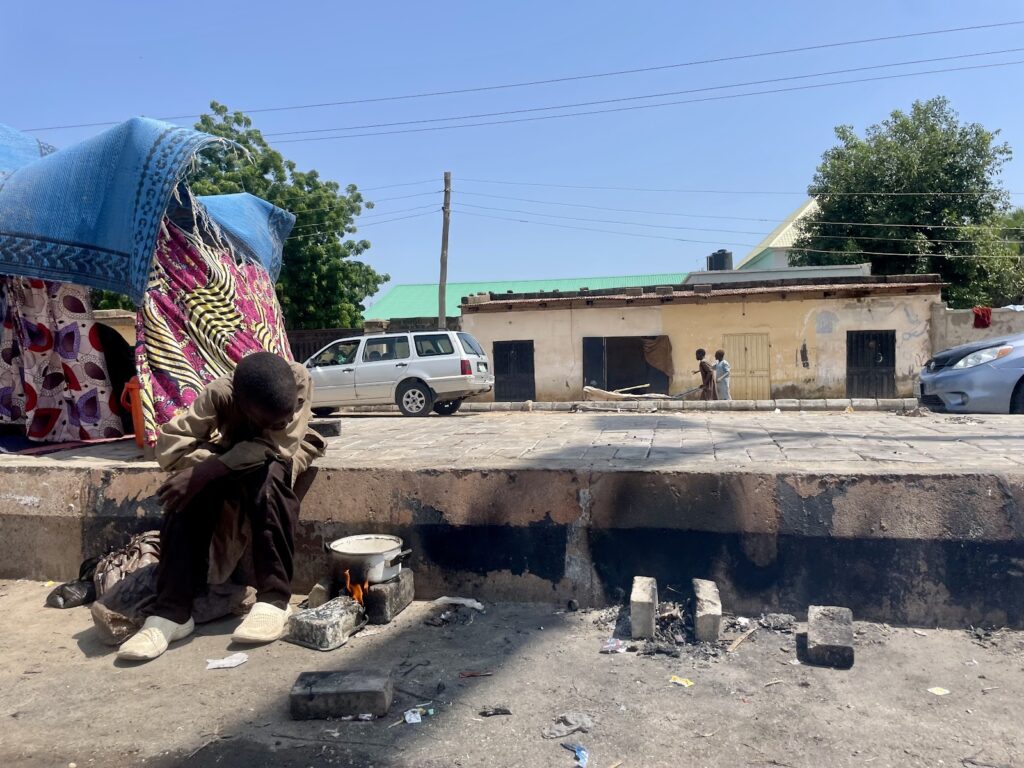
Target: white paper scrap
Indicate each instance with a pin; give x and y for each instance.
(234, 660)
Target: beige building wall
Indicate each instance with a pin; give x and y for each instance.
(820, 324)
(120, 320)
(557, 336)
(953, 327)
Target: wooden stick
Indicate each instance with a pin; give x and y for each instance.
(739, 640)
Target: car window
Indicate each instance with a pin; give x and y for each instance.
(431, 345)
(386, 348)
(471, 345)
(339, 353)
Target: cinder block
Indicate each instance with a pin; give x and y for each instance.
(707, 611)
(385, 601)
(327, 627)
(326, 427)
(830, 636)
(322, 695)
(643, 607)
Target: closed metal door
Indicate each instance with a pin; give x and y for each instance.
(750, 356)
(871, 364)
(513, 371)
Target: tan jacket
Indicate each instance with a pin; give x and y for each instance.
(213, 425)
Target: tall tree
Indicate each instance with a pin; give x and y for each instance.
(920, 190)
(322, 285)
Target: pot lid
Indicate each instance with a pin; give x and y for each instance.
(366, 544)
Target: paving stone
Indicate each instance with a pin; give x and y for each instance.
(707, 611)
(327, 627)
(643, 607)
(322, 695)
(385, 601)
(830, 636)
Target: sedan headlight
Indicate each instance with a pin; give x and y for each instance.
(983, 356)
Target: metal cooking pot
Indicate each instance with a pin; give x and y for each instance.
(369, 557)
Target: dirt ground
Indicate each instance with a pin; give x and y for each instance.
(64, 699)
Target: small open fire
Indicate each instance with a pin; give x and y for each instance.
(356, 591)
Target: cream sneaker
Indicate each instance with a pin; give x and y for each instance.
(264, 624)
(154, 637)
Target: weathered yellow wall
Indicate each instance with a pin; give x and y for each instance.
(557, 336)
(821, 324)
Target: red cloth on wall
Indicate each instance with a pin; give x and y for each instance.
(982, 317)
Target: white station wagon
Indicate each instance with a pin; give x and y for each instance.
(420, 372)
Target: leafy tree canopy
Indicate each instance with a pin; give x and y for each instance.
(953, 223)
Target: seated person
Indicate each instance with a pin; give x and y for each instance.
(236, 450)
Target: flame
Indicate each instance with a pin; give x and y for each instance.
(356, 591)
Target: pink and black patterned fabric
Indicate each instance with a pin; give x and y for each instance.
(203, 311)
(53, 374)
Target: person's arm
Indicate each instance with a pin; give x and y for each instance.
(179, 442)
(295, 443)
(181, 487)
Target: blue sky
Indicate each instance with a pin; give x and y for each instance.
(103, 61)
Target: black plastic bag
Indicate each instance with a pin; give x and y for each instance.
(78, 592)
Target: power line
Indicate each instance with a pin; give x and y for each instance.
(359, 226)
(361, 220)
(644, 96)
(607, 231)
(721, 217)
(912, 255)
(403, 184)
(729, 231)
(635, 107)
(573, 78)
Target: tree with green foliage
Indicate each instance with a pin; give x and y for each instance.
(321, 284)
(918, 193)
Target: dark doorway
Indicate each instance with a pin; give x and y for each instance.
(621, 362)
(513, 371)
(871, 364)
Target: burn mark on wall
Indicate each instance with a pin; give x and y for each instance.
(804, 359)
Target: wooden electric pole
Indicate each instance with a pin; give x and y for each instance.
(446, 209)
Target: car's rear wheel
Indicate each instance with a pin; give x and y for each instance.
(415, 399)
(324, 411)
(1017, 398)
(447, 407)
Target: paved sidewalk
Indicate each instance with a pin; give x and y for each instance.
(680, 441)
(674, 441)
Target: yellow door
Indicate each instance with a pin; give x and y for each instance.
(748, 353)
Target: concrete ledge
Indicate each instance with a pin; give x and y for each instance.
(840, 404)
(929, 549)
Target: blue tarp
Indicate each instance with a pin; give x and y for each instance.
(90, 213)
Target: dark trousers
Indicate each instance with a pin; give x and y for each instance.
(265, 496)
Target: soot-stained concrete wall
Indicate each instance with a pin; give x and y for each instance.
(903, 548)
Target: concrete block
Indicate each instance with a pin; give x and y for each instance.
(326, 427)
(891, 404)
(673, 405)
(909, 403)
(787, 405)
(707, 611)
(319, 594)
(864, 404)
(643, 607)
(830, 636)
(837, 404)
(764, 405)
(744, 405)
(812, 405)
(501, 406)
(543, 406)
(694, 405)
(322, 695)
(385, 601)
(327, 627)
(564, 406)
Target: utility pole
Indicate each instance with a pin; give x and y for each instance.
(446, 209)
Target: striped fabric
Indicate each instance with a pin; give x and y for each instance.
(202, 313)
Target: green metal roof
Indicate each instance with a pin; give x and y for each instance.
(420, 300)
